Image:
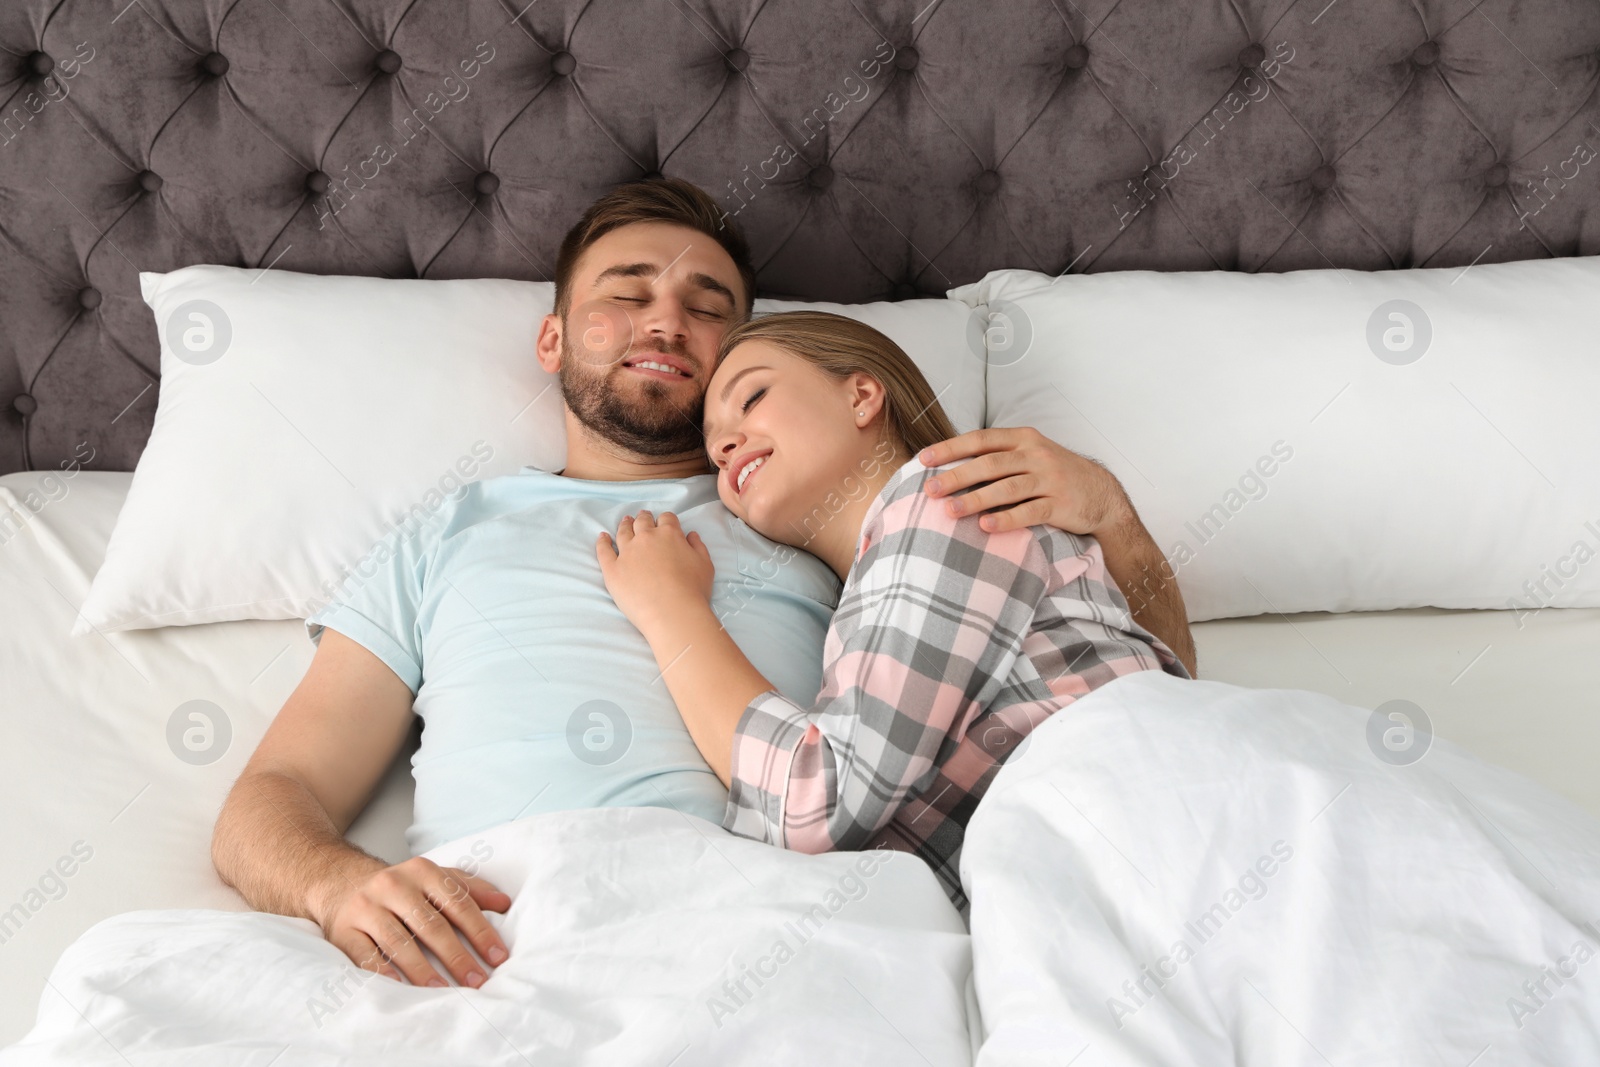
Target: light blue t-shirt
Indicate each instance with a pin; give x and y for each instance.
(536, 693)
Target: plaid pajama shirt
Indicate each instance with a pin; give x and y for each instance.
(949, 645)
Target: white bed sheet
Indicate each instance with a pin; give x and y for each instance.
(86, 757)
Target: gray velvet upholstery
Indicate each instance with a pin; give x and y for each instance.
(933, 140)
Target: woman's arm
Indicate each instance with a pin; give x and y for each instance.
(933, 620)
(710, 680)
(926, 636)
(662, 581)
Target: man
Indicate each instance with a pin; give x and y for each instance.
(492, 622)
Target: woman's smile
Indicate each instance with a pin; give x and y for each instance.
(741, 470)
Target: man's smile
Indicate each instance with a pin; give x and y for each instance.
(660, 365)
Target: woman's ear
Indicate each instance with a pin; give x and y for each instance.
(867, 397)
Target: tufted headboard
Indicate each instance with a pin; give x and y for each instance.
(871, 149)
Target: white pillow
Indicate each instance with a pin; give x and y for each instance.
(1328, 440)
(301, 418)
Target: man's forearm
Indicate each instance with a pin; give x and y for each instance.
(1147, 580)
(277, 846)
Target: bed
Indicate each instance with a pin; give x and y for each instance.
(98, 768)
(1029, 135)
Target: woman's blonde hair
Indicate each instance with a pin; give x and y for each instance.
(840, 347)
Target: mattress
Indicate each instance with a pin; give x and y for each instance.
(96, 768)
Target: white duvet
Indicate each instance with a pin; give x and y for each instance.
(1169, 873)
(1192, 873)
(637, 936)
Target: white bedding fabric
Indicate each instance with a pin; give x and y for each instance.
(1326, 440)
(314, 414)
(1393, 918)
(625, 926)
(1284, 898)
(89, 758)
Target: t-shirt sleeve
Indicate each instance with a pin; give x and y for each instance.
(379, 602)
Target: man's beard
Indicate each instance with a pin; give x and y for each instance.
(654, 426)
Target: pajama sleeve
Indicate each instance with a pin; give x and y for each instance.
(935, 618)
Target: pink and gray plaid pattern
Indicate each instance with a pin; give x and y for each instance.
(950, 644)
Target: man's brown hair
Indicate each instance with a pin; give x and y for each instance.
(671, 200)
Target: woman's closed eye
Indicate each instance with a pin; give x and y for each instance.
(755, 396)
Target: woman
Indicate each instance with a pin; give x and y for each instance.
(949, 644)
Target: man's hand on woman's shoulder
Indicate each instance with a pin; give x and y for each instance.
(1032, 482)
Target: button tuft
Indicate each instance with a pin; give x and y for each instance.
(388, 61)
(318, 183)
(41, 64)
(1497, 175)
(24, 405)
(150, 181)
(907, 58)
(905, 291)
(1252, 55)
(486, 184)
(563, 63)
(1425, 54)
(1322, 178)
(738, 59)
(215, 64)
(89, 298)
(1076, 57)
(820, 177)
(988, 181)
